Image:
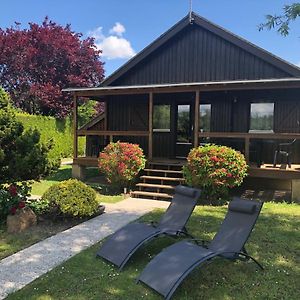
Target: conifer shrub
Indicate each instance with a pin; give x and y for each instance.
(71, 198)
(215, 170)
(121, 163)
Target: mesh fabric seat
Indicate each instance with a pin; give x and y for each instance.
(168, 269)
(121, 245)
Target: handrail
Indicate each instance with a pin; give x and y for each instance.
(250, 135)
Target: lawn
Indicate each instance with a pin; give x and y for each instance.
(64, 173)
(275, 242)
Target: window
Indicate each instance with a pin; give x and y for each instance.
(161, 117)
(205, 116)
(261, 117)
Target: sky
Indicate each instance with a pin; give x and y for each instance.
(122, 28)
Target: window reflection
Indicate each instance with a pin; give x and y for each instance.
(261, 117)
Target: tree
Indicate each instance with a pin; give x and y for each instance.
(22, 156)
(36, 63)
(290, 13)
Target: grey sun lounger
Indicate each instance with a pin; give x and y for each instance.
(121, 245)
(169, 268)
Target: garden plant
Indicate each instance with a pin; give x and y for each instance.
(121, 163)
(215, 169)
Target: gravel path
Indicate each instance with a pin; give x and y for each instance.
(23, 267)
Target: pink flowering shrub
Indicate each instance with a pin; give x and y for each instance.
(121, 163)
(215, 169)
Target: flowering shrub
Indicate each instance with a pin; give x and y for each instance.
(121, 163)
(12, 198)
(72, 198)
(215, 169)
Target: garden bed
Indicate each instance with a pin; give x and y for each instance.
(274, 242)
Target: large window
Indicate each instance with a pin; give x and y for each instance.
(161, 117)
(261, 117)
(205, 117)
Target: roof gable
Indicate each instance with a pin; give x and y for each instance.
(268, 65)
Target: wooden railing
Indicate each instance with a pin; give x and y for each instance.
(248, 136)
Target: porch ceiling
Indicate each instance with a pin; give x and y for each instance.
(188, 87)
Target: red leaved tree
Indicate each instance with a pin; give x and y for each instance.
(36, 63)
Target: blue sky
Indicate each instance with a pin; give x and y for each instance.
(123, 28)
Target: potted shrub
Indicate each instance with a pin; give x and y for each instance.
(121, 163)
(215, 169)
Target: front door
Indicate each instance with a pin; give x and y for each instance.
(183, 130)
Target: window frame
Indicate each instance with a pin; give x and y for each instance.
(161, 129)
(250, 116)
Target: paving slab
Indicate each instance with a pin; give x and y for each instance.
(23, 267)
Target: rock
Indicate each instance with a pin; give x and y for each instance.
(23, 219)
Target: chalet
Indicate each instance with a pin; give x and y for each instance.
(199, 83)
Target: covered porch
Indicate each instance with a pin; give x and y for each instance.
(131, 114)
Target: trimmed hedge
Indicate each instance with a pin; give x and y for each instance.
(60, 131)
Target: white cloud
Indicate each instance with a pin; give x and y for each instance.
(114, 45)
(118, 29)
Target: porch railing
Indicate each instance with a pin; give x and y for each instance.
(248, 136)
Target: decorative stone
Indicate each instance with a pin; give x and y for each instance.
(23, 219)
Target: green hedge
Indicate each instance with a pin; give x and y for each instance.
(60, 131)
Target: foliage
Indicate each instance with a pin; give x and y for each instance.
(215, 169)
(88, 110)
(22, 156)
(274, 242)
(72, 198)
(59, 131)
(290, 13)
(13, 197)
(121, 163)
(38, 62)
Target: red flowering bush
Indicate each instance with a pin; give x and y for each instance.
(215, 169)
(121, 163)
(12, 198)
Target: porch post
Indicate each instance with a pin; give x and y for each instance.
(196, 119)
(150, 138)
(75, 126)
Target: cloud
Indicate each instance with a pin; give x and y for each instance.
(113, 46)
(118, 29)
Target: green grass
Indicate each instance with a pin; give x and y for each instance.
(64, 173)
(275, 242)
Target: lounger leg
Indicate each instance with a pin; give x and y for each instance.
(253, 259)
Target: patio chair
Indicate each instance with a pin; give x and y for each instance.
(121, 245)
(284, 150)
(169, 268)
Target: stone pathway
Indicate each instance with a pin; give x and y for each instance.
(23, 267)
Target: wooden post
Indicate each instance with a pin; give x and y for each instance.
(75, 126)
(196, 120)
(247, 149)
(150, 138)
(105, 115)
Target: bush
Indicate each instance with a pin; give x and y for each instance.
(215, 169)
(121, 163)
(57, 131)
(12, 198)
(72, 198)
(22, 155)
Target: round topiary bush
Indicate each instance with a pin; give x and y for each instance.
(121, 163)
(215, 169)
(72, 197)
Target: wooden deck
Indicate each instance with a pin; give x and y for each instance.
(265, 171)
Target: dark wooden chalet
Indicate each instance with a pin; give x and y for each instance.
(198, 83)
